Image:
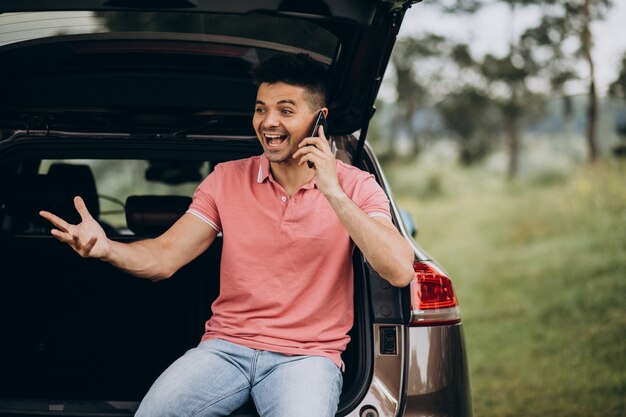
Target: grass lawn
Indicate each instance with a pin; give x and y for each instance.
(539, 266)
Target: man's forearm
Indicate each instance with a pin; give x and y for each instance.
(384, 248)
(161, 257)
(140, 259)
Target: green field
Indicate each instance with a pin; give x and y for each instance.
(539, 266)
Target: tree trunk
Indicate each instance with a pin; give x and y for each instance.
(511, 118)
(512, 132)
(592, 104)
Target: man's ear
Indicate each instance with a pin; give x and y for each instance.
(325, 111)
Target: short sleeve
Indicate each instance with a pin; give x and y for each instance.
(204, 204)
(371, 198)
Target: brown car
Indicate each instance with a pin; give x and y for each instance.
(130, 104)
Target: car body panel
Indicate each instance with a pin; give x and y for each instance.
(385, 393)
(438, 376)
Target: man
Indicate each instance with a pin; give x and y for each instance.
(289, 227)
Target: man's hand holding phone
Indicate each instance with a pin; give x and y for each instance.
(320, 121)
(315, 151)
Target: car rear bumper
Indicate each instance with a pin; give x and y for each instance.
(427, 377)
(438, 381)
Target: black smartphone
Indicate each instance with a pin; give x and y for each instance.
(320, 120)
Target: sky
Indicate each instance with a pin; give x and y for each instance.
(489, 31)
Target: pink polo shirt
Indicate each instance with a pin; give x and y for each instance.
(286, 270)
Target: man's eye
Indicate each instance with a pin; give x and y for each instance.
(259, 110)
(286, 111)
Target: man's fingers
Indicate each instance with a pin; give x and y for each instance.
(321, 133)
(305, 154)
(70, 234)
(89, 246)
(73, 240)
(62, 236)
(82, 208)
(58, 234)
(316, 141)
(55, 220)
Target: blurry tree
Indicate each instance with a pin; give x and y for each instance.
(469, 114)
(548, 45)
(378, 134)
(460, 6)
(566, 20)
(618, 87)
(511, 71)
(579, 13)
(433, 73)
(506, 84)
(508, 87)
(467, 93)
(504, 80)
(411, 89)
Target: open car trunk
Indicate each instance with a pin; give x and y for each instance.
(80, 337)
(83, 337)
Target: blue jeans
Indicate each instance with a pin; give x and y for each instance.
(217, 377)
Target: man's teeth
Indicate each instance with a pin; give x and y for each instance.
(275, 140)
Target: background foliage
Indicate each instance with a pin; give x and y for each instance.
(539, 270)
(518, 188)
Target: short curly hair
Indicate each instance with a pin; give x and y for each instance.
(296, 69)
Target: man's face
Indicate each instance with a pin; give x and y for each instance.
(282, 118)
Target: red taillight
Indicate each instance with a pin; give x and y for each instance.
(432, 296)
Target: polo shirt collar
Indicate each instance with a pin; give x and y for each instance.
(264, 169)
(264, 173)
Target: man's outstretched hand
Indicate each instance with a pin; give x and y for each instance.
(87, 238)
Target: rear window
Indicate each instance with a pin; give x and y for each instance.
(279, 31)
(106, 186)
(116, 180)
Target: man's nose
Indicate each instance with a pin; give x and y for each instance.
(271, 119)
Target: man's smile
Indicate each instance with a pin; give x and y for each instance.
(274, 139)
